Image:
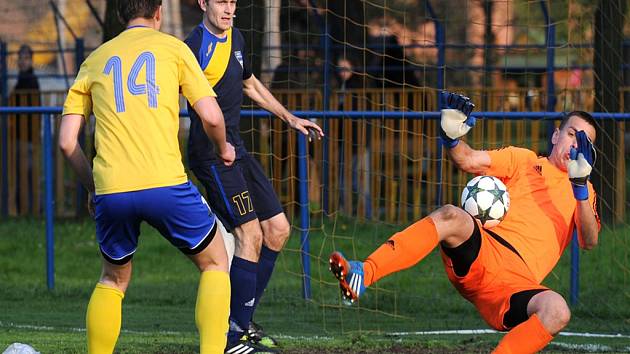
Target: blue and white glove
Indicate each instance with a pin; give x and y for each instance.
(581, 165)
(455, 121)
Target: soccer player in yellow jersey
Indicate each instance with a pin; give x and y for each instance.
(241, 194)
(132, 85)
(500, 270)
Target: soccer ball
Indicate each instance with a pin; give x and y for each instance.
(487, 199)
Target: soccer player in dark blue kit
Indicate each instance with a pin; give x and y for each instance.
(241, 195)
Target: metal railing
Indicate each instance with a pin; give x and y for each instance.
(302, 157)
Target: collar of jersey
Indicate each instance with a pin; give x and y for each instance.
(214, 37)
(137, 26)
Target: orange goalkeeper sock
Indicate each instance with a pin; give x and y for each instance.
(401, 251)
(528, 337)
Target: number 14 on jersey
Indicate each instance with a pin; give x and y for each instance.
(150, 88)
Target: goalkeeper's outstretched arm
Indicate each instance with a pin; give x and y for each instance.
(468, 159)
(455, 122)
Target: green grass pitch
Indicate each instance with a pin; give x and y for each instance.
(158, 311)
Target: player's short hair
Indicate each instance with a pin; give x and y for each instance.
(130, 9)
(583, 115)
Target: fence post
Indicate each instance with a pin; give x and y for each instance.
(550, 43)
(325, 122)
(325, 45)
(79, 55)
(440, 40)
(574, 288)
(304, 215)
(49, 203)
(5, 73)
(4, 126)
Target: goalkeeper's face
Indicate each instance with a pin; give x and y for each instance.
(218, 14)
(564, 139)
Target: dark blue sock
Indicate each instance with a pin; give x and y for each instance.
(243, 298)
(265, 267)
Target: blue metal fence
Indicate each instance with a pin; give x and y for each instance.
(47, 160)
(47, 114)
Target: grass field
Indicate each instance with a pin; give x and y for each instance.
(158, 311)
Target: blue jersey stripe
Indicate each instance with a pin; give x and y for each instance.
(225, 199)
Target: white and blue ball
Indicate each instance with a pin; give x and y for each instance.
(487, 199)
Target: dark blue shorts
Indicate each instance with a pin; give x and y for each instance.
(178, 212)
(238, 193)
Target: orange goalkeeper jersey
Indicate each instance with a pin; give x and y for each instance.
(541, 218)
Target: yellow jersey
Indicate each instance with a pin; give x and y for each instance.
(132, 84)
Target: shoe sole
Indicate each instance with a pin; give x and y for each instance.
(339, 267)
(250, 348)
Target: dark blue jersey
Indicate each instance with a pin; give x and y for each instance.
(224, 62)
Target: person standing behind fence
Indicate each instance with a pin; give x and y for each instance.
(388, 64)
(348, 79)
(132, 84)
(26, 128)
(27, 80)
(241, 195)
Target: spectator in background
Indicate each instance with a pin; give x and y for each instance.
(346, 19)
(26, 127)
(298, 24)
(388, 66)
(26, 77)
(349, 85)
(347, 79)
(423, 53)
(26, 90)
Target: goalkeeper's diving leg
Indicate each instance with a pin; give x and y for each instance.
(449, 225)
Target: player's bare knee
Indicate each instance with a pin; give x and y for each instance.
(447, 213)
(276, 236)
(453, 224)
(553, 311)
(249, 238)
(564, 316)
(561, 314)
(212, 258)
(253, 239)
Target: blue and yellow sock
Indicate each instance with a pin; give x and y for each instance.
(103, 318)
(212, 311)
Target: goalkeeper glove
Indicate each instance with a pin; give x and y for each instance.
(455, 121)
(581, 165)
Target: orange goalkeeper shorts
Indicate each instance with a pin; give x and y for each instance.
(494, 276)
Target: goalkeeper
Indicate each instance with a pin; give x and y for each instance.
(500, 271)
